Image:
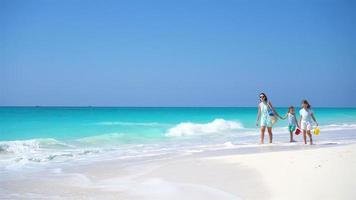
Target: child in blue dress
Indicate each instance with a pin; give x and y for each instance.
(292, 122)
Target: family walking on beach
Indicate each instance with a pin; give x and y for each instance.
(267, 117)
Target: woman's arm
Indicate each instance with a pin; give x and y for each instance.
(300, 121)
(296, 121)
(258, 114)
(312, 115)
(285, 116)
(274, 110)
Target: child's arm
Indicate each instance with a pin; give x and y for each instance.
(258, 115)
(312, 115)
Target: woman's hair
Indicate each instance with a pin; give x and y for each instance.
(307, 103)
(264, 96)
(290, 108)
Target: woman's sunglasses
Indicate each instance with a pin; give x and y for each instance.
(262, 97)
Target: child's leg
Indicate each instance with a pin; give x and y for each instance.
(310, 137)
(263, 128)
(269, 129)
(305, 136)
(291, 136)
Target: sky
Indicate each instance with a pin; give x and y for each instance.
(177, 53)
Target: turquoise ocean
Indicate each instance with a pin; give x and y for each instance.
(39, 135)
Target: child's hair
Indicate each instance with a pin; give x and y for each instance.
(290, 108)
(307, 103)
(264, 96)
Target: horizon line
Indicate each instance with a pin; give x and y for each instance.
(73, 106)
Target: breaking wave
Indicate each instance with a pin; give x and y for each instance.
(30, 146)
(192, 129)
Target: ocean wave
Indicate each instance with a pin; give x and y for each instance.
(218, 134)
(192, 129)
(14, 154)
(339, 126)
(28, 146)
(19, 146)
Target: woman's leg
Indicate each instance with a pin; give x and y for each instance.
(263, 128)
(310, 137)
(305, 136)
(270, 136)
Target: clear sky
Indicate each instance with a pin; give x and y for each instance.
(177, 53)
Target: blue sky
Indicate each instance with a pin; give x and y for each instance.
(177, 53)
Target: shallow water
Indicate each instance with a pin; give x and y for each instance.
(32, 136)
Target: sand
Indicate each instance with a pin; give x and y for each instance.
(310, 172)
(326, 173)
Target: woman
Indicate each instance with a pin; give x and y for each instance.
(267, 114)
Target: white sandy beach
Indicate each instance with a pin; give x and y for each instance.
(309, 172)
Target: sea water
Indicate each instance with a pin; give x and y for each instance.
(43, 135)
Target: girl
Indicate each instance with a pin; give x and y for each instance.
(305, 122)
(292, 122)
(266, 114)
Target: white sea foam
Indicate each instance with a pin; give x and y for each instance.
(31, 146)
(19, 146)
(334, 127)
(14, 154)
(191, 129)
